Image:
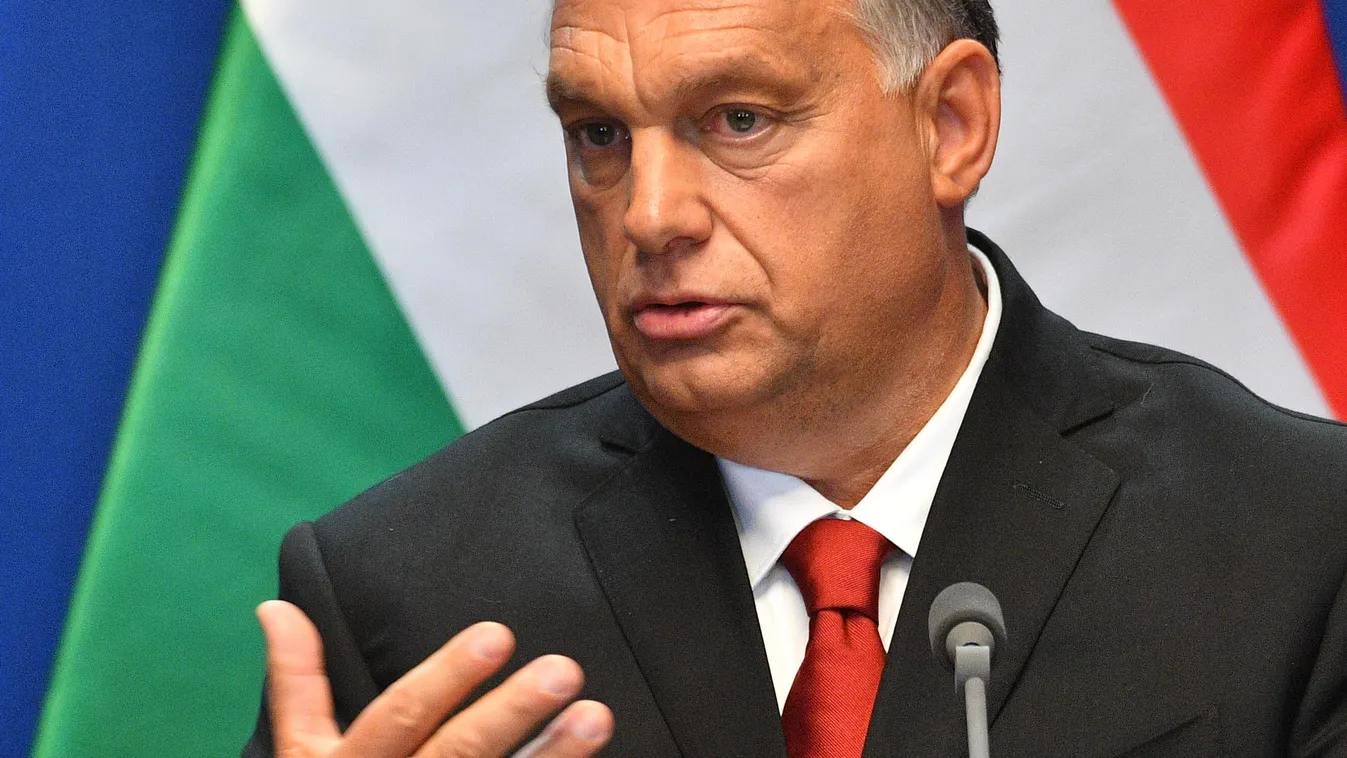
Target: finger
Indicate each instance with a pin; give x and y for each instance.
(503, 717)
(580, 731)
(401, 719)
(299, 695)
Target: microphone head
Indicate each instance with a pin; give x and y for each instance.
(960, 603)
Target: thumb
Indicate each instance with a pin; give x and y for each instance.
(298, 692)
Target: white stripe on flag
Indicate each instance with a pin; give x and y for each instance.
(432, 120)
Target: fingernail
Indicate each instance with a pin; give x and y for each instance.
(588, 726)
(490, 644)
(557, 678)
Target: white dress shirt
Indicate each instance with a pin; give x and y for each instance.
(771, 508)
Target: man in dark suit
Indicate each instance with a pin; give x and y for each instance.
(818, 373)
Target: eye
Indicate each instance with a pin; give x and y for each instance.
(741, 121)
(736, 122)
(599, 150)
(598, 134)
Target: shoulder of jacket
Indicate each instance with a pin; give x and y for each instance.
(1154, 360)
(556, 438)
(576, 395)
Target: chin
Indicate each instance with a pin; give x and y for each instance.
(695, 385)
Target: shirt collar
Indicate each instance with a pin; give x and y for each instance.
(771, 508)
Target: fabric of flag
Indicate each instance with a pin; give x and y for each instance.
(371, 249)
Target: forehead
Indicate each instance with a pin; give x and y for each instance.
(632, 19)
(651, 46)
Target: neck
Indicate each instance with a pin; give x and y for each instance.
(846, 479)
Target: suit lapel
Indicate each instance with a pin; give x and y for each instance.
(1016, 507)
(661, 537)
(1014, 512)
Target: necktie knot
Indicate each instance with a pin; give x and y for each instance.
(835, 563)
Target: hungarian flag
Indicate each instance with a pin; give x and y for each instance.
(353, 219)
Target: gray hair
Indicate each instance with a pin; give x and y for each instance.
(908, 34)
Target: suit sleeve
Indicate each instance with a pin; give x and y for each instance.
(1320, 730)
(304, 581)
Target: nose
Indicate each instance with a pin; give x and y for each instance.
(667, 211)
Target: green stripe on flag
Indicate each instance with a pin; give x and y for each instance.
(277, 379)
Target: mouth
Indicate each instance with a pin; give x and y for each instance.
(680, 321)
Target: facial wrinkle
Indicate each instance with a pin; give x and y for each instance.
(580, 83)
(659, 43)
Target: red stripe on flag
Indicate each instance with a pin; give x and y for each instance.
(1254, 87)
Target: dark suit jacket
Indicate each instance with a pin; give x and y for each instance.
(1169, 550)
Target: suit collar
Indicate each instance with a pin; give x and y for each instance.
(624, 424)
(1042, 357)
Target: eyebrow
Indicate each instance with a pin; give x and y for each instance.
(561, 93)
(743, 74)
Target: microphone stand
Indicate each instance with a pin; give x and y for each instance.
(972, 668)
(966, 625)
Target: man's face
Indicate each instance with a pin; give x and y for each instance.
(756, 214)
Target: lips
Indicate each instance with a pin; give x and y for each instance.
(681, 320)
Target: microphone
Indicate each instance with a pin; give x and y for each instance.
(966, 627)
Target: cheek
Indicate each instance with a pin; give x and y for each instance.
(836, 226)
(796, 218)
(598, 218)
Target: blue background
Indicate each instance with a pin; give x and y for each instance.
(1336, 13)
(100, 104)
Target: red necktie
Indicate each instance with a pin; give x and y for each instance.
(836, 564)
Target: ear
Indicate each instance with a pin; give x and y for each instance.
(959, 99)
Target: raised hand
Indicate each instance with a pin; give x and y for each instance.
(406, 719)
